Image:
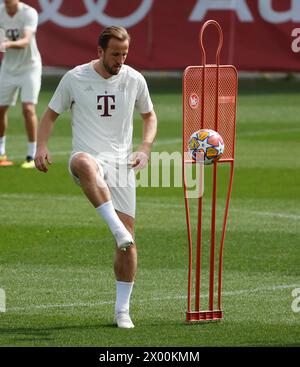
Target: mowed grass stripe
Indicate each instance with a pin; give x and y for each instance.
(79, 199)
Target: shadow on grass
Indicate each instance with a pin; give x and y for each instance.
(14, 336)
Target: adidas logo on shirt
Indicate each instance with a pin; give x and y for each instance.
(89, 89)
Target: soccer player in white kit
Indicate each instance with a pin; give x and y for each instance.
(21, 69)
(102, 96)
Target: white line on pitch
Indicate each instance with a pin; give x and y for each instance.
(101, 303)
(271, 214)
(54, 153)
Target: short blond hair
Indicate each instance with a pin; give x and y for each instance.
(117, 32)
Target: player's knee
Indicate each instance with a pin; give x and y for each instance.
(82, 164)
(3, 110)
(28, 110)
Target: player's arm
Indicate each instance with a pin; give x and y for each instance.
(44, 131)
(142, 155)
(21, 42)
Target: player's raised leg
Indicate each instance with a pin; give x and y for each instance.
(90, 175)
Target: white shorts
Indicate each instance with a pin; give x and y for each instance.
(29, 83)
(121, 182)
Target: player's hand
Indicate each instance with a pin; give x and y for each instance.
(3, 45)
(139, 160)
(41, 157)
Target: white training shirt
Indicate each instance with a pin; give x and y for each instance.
(18, 60)
(102, 109)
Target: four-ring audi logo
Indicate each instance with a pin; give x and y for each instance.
(95, 13)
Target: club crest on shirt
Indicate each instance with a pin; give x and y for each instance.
(106, 104)
(122, 87)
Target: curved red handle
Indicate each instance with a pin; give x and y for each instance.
(205, 25)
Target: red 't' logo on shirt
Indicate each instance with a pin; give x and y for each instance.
(106, 104)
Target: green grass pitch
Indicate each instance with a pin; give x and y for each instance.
(57, 255)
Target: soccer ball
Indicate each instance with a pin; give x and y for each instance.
(208, 142)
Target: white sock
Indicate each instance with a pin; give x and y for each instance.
(2, 145)
(31, 149)
(124, 290)
(108, 213)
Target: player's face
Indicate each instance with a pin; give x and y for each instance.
(114, 56)
(10, 3)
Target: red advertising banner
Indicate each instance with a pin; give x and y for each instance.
(258, 34)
